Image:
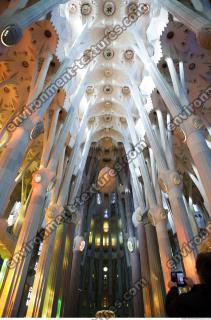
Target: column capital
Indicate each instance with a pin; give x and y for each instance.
(72, 216)
(137, 217)
(53, 211)
(157, 215)
(193, 124)
(169, 180)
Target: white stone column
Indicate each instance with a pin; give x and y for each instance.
(191, 125)
(82, 165)
(159, 219)
(40, 283)
(158, 293)
(17, 273)
(144, 260)
(12, 157)
(172, 185)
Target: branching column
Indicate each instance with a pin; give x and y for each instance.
(155, 272)
(191, 125)
(155, 204)
(34, 215)
(144, 260)
(172, 185)
(134, 260)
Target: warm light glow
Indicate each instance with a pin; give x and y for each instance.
(113, 242)
(106, 241)
(106, 226)
(97, 241)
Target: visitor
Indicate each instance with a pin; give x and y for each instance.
(196, 302)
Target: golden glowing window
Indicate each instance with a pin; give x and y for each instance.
(97, 241)
(113, 242)
(106, 226)
(106, 241)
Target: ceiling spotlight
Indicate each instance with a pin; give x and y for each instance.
(132, 7)
(126, 90)
(86, 9)
(90, 90)
(129, 54)
(108, 89)
(107, 118)
(108, 53)
(109, 8)
(144, 8)
(73, 8)
(108, 104)
(108, 73)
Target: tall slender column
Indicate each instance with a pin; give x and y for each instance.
(75, 278)
(135, 262)
(144, 260)
(160, 219)
(158, 291)
(191, 125)
(68, 267)
(58, 281)
(53, 213)
(40, 283)
(16, 277)
(41, 182)
(53, 274)
(172, 184)
(13, 155)
(10, 162)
